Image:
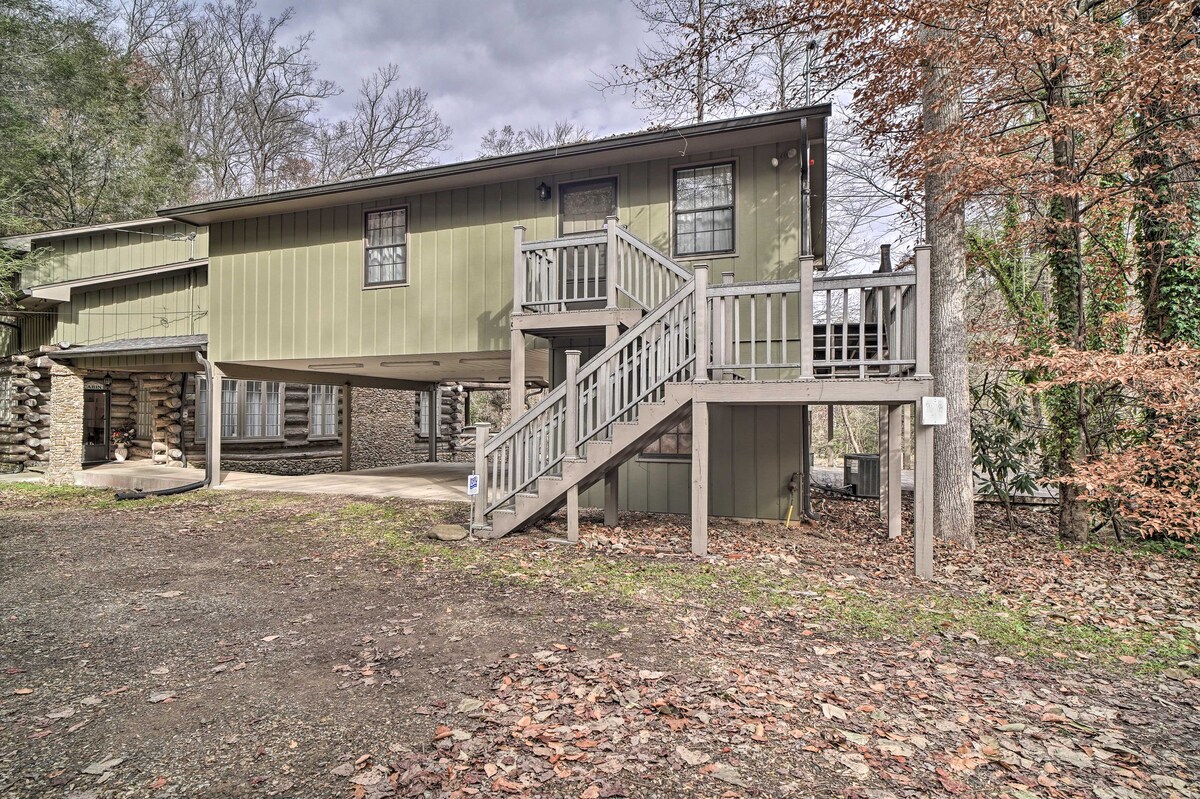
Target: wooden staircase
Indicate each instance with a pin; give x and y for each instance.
(606, 411)
(595, 458)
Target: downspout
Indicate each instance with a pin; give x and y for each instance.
(208, 465)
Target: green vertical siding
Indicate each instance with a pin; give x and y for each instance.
(115, 251)
(291, 285)
(753, 451)
(171, 306)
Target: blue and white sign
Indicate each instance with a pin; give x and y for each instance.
(472, 485)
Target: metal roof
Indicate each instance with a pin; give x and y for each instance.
(23, 241)
(48, 295)
(646, 145)
(136, 346)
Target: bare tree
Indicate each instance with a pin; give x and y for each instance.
(502, 141)
(392, 129)
(507, 140)
(692, 71)
(277, 91)
(560, 133)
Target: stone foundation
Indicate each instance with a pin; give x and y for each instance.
(66, 425)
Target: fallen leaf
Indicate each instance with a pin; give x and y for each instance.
(103, 766)
(832, 711)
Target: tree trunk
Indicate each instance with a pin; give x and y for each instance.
(1067, 297)
(945, 230)
(1168, 221)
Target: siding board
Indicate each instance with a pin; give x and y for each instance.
(460, 261)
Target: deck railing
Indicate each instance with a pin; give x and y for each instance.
(659, 349)
(856, 326)
(573, 272)
(847, 326)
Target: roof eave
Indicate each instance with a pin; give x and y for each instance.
(328, 193)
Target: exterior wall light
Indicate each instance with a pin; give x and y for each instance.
(543, 192)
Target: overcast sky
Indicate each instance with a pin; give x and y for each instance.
(485, 63)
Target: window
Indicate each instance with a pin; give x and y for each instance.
(143, 420)
(675, 443)
(323, 411)
(704, 209)
(583, 207)
(386, 247)
(249, 409)
(423, 414)
(6, 411)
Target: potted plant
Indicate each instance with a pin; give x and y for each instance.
(120, 440)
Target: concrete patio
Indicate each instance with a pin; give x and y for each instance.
(436, 482)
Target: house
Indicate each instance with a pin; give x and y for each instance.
(127, 305)
(655, 303)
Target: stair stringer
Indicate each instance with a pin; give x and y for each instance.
(596, 458)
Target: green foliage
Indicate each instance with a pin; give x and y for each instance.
(1178, 301)
(81, 147)
(1004, 443)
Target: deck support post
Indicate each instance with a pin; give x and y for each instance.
(807, 264)
(829, 422)
(611, 267)
(890, 465)
(921, 255)
(516, 371)
(571, 420)
(214, 426)
(923, 502)
(612, 491)
(516, 376)
(723, 324)
(700, 317)
(435, 421)
(347, 426)
(700, 476)
(806, 461)
(573, 514)
(479, 501)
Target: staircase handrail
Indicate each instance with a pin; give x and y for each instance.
(650, 250)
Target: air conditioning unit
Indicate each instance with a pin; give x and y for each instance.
(860, 473)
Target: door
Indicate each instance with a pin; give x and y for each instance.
(95, 426)
(582, 209)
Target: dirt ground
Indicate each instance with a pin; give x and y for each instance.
(229, 645)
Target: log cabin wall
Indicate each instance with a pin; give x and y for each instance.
(385, 424)
(25, 421)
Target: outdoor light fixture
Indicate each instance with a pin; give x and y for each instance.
(108, 379)
(543, 192)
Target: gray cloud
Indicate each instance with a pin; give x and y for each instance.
(484, 64)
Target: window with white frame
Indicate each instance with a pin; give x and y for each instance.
(423, 414)
(250, 409)
(323, 411)
(6, 397)
(386, 247)
(143, 420)
(704, 203)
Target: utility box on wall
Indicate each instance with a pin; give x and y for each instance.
(860, 473)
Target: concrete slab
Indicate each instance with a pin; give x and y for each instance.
(20, 477)
(433, 482)
(136, 476)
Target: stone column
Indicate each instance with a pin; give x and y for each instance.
(66, 425)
